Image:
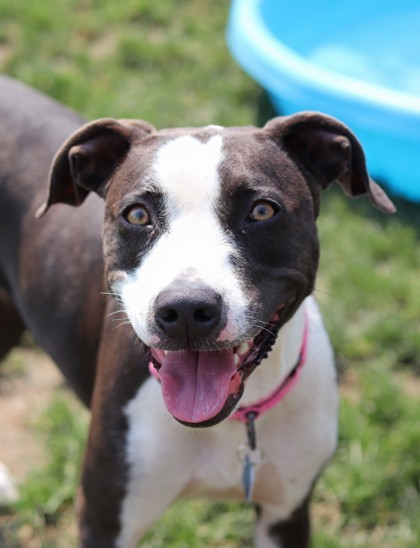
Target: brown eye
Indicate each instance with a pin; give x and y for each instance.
(137, 215)
(262, 211)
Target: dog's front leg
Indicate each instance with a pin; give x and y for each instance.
(290, 532)
(121, 371)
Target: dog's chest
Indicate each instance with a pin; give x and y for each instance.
(294, 442)
(205, 463)
(217, 467)
(284, 468)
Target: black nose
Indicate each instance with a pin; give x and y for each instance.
(188, 314)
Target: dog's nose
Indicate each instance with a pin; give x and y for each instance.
(188, 314)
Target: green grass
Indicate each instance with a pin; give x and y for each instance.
(48, 493)
(375, 476)
(166, 61)
(49, 490)
(374, 282)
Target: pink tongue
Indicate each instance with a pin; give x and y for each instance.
(196, 385)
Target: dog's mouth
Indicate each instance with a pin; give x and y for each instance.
(201, 388)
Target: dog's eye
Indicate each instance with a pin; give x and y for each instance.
(262, 211)
(137, 215)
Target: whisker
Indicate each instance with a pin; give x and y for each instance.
(263, 328)
(320, 303)
(323, 292)
(318, 298)
(116, 296)
(122, 311)
(137, 341)
(127, 322)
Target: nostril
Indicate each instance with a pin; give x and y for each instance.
(169, 315)
(203, 315)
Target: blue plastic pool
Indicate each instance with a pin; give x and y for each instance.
(357, 61)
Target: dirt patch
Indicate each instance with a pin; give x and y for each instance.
(27, 382)
(411, 384)
(5, 52)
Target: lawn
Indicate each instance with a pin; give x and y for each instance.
(166, 61)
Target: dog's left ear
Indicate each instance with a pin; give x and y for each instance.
(329, 151)
(88, 159)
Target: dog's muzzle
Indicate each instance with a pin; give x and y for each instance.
(202, 387)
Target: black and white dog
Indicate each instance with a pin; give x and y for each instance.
(208, 247)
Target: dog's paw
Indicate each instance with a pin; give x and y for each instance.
(8, 491)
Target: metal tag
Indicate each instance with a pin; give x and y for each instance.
(248, 477)
(250, 459)
(250, 455)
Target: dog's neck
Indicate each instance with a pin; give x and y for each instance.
(280, 361)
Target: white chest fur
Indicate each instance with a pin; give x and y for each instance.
(168, 461)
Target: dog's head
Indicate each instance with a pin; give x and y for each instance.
(210, 239)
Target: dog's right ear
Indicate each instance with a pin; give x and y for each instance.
(88, 159)
(328, 151)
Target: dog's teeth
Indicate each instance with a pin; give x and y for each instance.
(243, 349)
(165, 352)
(235, 359)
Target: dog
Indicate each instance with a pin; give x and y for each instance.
(203, 243)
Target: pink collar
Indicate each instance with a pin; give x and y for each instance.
(260, 407)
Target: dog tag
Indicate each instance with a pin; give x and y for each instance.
(248, 477)
(250, 455)
(250, 459)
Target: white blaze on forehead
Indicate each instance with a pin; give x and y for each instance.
(195, 247)
(187, 171)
